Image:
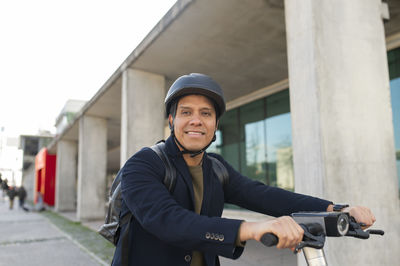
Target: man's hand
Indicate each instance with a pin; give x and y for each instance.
(285, 228)
(360, 213)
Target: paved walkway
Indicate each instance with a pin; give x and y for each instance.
(28, 238)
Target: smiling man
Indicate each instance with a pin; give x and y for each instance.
(184, 226)
(194, 123)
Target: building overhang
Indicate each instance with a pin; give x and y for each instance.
(241, 44)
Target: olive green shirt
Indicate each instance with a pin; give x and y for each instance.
(198, 189)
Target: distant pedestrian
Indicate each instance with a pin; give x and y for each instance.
(22, 197)
(11, 195)
(1, 189)
(4, 185)
(4, 188)
(39, 205)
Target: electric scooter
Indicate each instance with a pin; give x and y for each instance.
(317, 226)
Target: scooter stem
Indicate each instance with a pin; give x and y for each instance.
(314, 257)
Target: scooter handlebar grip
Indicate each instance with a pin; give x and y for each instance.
(376, 232)
(269, 239)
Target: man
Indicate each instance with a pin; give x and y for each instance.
(184, 227)
(1, 189)
(22, 197)
(11, 195)
(4, 188)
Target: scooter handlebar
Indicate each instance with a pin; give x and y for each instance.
(269, 239)
(326, 224)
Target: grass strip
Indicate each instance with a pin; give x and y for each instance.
(85, 236)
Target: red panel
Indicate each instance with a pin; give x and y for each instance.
(45, 168)
(50, 183)
(38, 184)
(40, 160)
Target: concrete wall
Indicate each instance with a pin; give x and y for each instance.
(142, 113)
(66, 175)
(343, 142)
(92, 166)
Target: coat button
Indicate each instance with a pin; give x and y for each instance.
(212, 236)
(188, 258)
(208, 235)
(221, 238)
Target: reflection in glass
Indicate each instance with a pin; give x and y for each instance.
(279, 141)
(279, 152)
(394, 73)
(395, 97)
(252, 140)
(256, 140)
(228, 138)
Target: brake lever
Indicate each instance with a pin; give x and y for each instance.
(355, 230)
(316, 240)
(358, 233)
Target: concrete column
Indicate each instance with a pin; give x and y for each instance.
(66, 175)
(142, 116)
(343, 144)
(92, 166)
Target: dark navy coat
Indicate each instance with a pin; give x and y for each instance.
(165, 229)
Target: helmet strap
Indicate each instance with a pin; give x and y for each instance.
(192, 153)
(186, 151)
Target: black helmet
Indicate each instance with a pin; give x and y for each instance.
(196, 83)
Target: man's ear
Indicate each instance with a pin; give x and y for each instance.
(217, 125)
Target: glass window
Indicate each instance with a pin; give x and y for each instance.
(279, 141)
(256, 139)
(229, 129)
(252, 140)
(394, 73)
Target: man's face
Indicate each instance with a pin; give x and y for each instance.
(195, 122)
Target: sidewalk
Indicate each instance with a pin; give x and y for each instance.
(47, 238)
(28, 238)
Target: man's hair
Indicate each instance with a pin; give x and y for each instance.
(172, 110)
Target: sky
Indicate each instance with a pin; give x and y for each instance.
(52, 51)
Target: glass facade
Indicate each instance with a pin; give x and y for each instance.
(394, 74)
(256, 139)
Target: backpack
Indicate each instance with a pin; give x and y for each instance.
(110, 230)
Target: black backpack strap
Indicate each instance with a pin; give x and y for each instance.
(170, 171)
(169, 181)
(127, 219)
(220, 170)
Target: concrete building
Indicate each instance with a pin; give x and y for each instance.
(67, 114)
(31, 145)
(313, 91)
